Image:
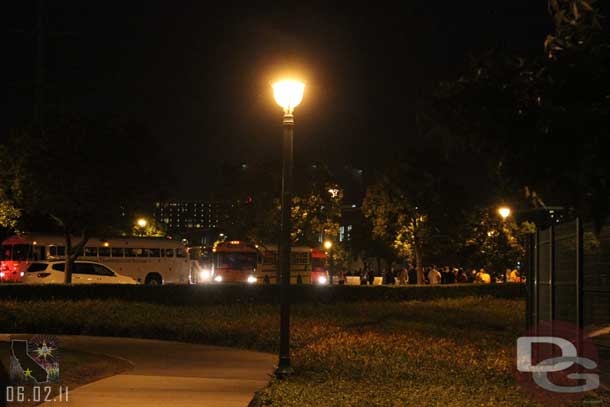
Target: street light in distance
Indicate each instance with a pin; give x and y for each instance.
(504, 212)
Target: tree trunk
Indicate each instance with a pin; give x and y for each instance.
(418, 264)
(72, 254)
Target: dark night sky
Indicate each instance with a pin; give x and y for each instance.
(199, 77)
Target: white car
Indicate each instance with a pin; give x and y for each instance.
(84, 272)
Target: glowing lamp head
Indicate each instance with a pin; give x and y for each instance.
(328, 245)
(504, 212)
(288, 94)
(142, 222)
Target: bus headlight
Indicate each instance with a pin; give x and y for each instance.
(218, 279)
(1, 274)
(205, 275)
(22, 274)
(251, 279)
(322, 280)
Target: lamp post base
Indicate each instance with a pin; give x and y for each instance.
(283, 372)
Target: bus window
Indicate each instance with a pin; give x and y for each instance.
(154, 252)
(317, 262)
(236, 260)
(300, 258)
(57, 251)
(21, 251)
(270, 257)
(5, 254)
(129, 252)
(117, 252)
(168, 252)
(180, 252)
(38, 253)
(91, 251)
(141, 252)
(104, 251)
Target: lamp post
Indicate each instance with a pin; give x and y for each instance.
(288, 94)
(329, 245)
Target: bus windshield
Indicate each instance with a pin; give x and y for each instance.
(316, 262)
(237, 260)
(21, 251)
(5, 253)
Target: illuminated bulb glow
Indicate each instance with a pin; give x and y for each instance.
(251, 279)
(504, 212)
(288, 94)
(322, 280)
(204, 275)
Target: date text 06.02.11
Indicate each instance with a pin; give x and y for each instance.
(36, 393)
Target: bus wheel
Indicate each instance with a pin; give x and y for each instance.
(266, 280)
(299, 280)
(153, 279)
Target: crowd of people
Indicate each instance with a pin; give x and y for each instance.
(437, 275)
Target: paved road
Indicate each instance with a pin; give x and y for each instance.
(171, 374)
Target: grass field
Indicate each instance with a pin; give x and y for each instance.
(449, 352)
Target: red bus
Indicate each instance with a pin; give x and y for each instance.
(242, 262)
(235, 262)
(17, 253)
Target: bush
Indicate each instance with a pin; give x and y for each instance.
(259, 294)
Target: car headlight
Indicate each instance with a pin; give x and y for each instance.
(322, 280)
(218, 279)
(22, 274)
(251, 279)
(1, 274)
(205, 275)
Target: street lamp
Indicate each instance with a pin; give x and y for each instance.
(142, 222)
(288, 94)
(504, 212)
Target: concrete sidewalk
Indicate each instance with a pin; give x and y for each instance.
(170, 374)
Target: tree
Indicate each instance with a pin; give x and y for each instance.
(9, 214)
(492, 242)
(542, 121)
(150, 229)
(313, 214)
(399, 207)
(79, 172)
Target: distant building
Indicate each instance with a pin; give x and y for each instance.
(193, 216)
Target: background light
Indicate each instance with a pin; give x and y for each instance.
(142, 222)
(288, 94)
(328, 244)
(504, 212)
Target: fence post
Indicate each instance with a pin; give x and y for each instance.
(552, 270)
(580, 257)
(536, 277)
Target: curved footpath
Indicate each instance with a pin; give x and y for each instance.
(170, 374)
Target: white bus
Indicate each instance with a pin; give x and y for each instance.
(147, 260)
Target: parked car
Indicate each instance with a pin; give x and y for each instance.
(84, 272)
